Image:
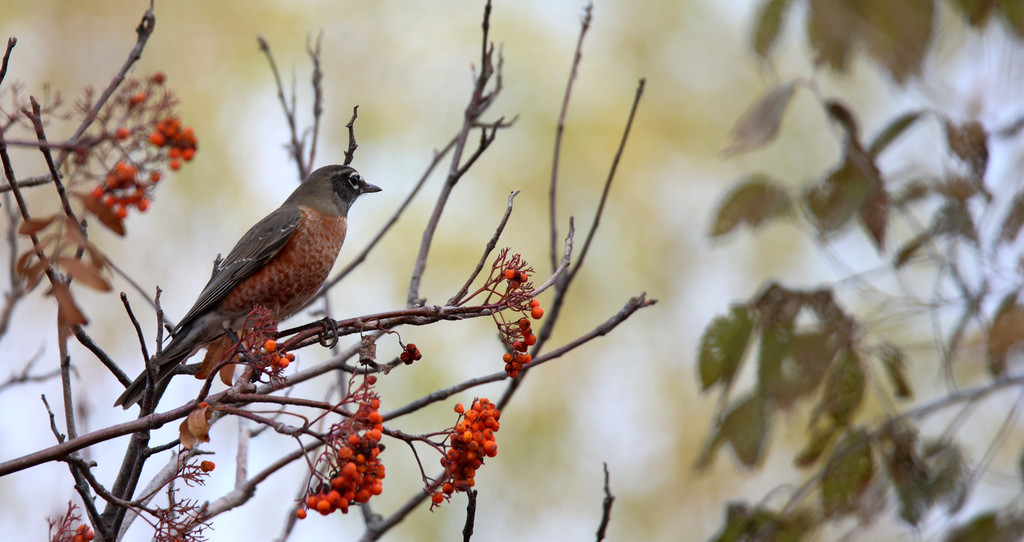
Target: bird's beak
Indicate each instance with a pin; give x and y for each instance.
(367, 188)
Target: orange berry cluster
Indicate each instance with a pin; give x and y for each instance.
(471, 440)
(181, 141)
(358, 474)
(516, 278)
(518, 357)
(410, 354)
(278, 360)
(124, 188)
(207, 466)
(83, 534)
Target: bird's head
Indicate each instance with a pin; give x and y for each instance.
(331, 189)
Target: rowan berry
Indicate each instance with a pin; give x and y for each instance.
(207, 466)
(122, 133)
(323, 506)
(537, 313)
(137, 99)
(159, 78)
(270, 345)
(300, 513)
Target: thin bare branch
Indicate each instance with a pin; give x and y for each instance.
(295, 145)
(560, 129)
(11, 42)
(136, 325)
(606, 506)
(487, 251)
(467, 528)
(479, 101)
(350, 153)
(608, 181)
(37, 121)
(318, 101)
(52, 453)
(143, 31)
(29, 182)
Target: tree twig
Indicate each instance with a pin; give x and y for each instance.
(487, 251)
(479, 101)
(560, 129)
(606, 506)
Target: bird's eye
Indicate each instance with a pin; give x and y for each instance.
(353, 180)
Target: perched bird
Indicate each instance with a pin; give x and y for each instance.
(278, 264)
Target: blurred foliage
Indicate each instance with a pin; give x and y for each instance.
(810, 349)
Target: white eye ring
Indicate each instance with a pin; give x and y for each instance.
(353, 180)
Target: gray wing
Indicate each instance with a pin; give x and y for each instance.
(253, 250)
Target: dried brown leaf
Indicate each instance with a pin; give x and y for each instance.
(68, 313)
(760, 123)
(88, 274)
(216, 351)
(34, 225)
(105, 215)
(969, 141)
(195, 428)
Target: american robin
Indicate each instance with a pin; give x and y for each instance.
(278, 264)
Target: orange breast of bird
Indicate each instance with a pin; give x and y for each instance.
(296, 272)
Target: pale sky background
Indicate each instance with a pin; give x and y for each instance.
(629, 399)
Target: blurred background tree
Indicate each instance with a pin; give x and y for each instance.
(634, 402)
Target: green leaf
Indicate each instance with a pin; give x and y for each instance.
(909, 476)
(910, 249)
(844, 389)
(976, 12)
(894, 360)
(744, 524)
(745, 428)
(832, 28)
(1005, 334)
(794, 368)
(892, 132)
(769, 23)
(1012, 12)
(1014, 220)
(816, 447)
(754, 200)
(954, 220)
(950, 475)
(775, 343)
(983, 528)
(847, 474)
(1020, 463)
(722, 347)
(897, 34)
(843, 194)
(760, 123)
